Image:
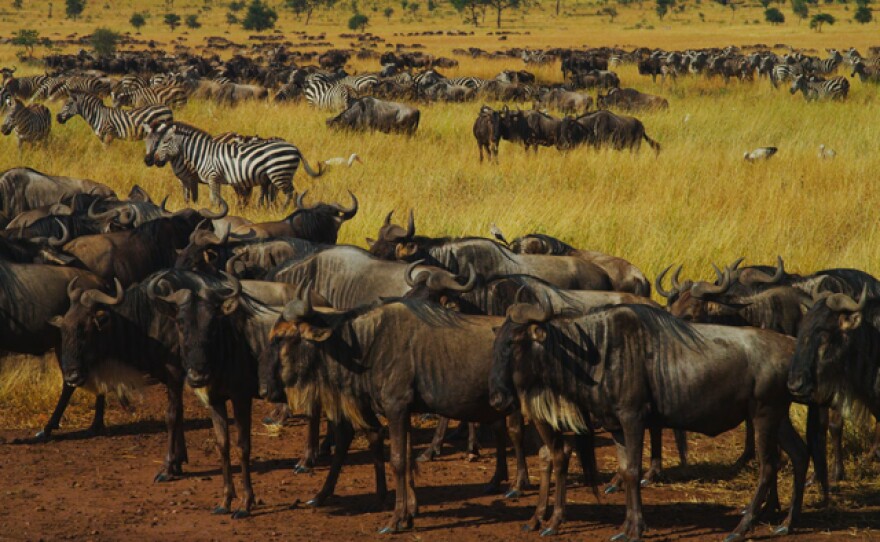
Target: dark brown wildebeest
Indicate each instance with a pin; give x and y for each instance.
(487, 132)
(604, 128)
(624, 276)
(370, 113)
(634, 366)
(489, 258)
(630, 99)
(318, 223)
(566, 101)
(593, 79)
(23, 189)
(399, 357)
(543, 129)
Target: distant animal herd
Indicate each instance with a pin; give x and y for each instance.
(529, 333)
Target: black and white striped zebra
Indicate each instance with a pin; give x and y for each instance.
(362, 83)
(324, 95)
(57, 87)
(24, 87)
(31, 123)
(784, 72)
(835, 88)
(110, 123)
(218, 161)
(170, 95)
(828, 65)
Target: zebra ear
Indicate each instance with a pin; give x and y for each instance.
(148, 128)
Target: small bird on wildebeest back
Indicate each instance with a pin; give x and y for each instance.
(761, 153)
(496, 233)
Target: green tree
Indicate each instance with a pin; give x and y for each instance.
(235, 7)
(431, 5)
(17, 4)
(172, 20)
(231, 19)
(358, 21)
(104, 41)
(471, 9)
(192, 21)
(662, 7)
(773, 16)
(820, 19)
(259, 17)
(800, 8)
(610, 11)
(307, 7)
(74, 8)
(389, 11)
(863, 15)
(500, 5)
(28, 39)
(137, 21)
(765, 3)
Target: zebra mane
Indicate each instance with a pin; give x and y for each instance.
(188, 129)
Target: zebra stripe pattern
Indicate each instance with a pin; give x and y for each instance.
(31, 123)
(24, 87)
(108, 122)
(57, 87)
(324, 95)
(239, 162)
(836, 88)
(170, 95)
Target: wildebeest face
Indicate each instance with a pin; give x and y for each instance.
(395, 243)
(826, 341)
(200, 323)
(68, 111)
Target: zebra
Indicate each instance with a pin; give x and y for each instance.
(870, 74)
(239, 163)
(108, 122)
(56, 87)
(22, 87)
(835, 88)
(784, 72)
(361, 83)
(475, 83)
(170, 95)
(830, 64)
(129, 83)
(324, 95)
(31, 123)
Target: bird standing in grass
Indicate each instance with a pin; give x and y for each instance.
(761, 153)
(339, 160)
(496, 233)
(826, 153)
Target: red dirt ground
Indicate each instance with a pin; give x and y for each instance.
(101, 489)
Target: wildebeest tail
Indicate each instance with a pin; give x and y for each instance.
(585, 446)
(654, 145)
(308, 168)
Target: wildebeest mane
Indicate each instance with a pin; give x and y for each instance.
(454, 254)
(556, 246)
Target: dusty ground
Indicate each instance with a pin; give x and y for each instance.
(101, 489)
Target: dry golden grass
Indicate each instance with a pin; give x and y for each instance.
(696, 203)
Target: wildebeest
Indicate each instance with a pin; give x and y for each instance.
(319, 223)
(633, 366)
(487, 132)
(604, 128)
(630, 99)
(370, 113)
(23, 189)
(566, 101)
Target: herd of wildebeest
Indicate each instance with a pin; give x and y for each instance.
(476, 329)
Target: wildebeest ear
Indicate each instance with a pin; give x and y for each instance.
(314, 333)
(849, 322)
(537, 333)
(210, 256)
(56, 321)
(102, 319)
(229, 305)
(405, 250)
(283, 330)
(370, 242)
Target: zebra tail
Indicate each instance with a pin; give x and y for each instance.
(654, 145)
(308, 168)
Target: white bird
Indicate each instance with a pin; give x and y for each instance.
(687, 117)
(339, 160)
(826, 154)
(496, 233)
(761, 153)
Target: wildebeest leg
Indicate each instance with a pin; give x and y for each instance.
(682, 444)
(796, 450)
(344, 434)
(766, 429)
(174, 425)
(221, 438)
(835, 427)
(480, 146)
(501, 474)
(314, 432)
(241, 408)
(874, 452)
(398, 427)
(97, 427)
(630, 442)
(433, 449)
(473, 444)
(377, 448)
(543, 492)
(816, 444)
(55, 421)
(749, 451)
(656, 435)
(516, 431)
(560, 457)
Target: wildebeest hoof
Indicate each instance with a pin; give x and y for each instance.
(744, 510)
(240, 514)
(550, 531)
(472, 457)
(268, 420)
(513, 494)
(387, 530)
(302, 469)
(620, 537)
(613, 488)
(427, 455)
(645, 482)
(528, 527)
(220, 510)
(782, 530)
(315, 502)
(733, 537)
(41, 436)
(162, 477)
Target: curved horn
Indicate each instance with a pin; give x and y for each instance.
(234, 283)
(843, 302)
(658, 283)
(224, 210)
(443, 280)
(388, 218)
(130, 217)
(65, 236)
(349, 213)
(100, 216)
(704, 288)
(410, 226)
(675, 283)
(411, 281)
(299, 201)
(162, 207)
(230, 264)
(73, 293)
(759, 277)
(736, 263)
(298, 308)
(91, 297)
(523, 313)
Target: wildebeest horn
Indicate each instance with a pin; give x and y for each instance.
(410, 226)
(411, 281)
(388, 218)
(704, 288)
(65, 236)
(178, 297)
(130, 217)
(100, 216)
(298, 308)
(73, 293)
(526, 313)
(230, 263)
(736, 263)
(162, 207)
(658, 283)
(443, 280)
(349, 213)
(844, 303)
(675, 283)
(60, 209)
(224, 210)
(91, 297)
(299, 200)
(759, 277)
(234, 283)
